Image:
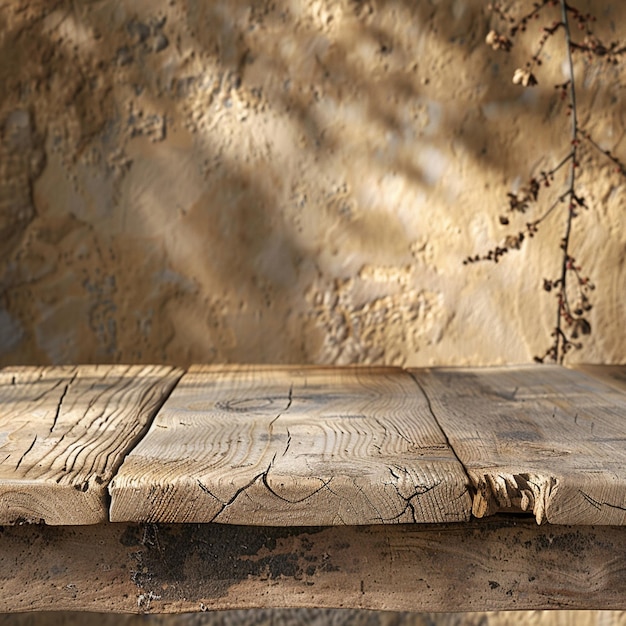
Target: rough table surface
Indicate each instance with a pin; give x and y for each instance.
(545, 440)
(273, 446)
(64, 432)
(311, 446)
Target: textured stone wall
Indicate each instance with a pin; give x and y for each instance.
(287, 181)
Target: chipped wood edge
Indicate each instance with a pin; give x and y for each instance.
(502, 492)
(549, 498)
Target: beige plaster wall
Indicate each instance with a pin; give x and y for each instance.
(289, 181)
(286, 181)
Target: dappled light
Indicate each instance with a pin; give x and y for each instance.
(282, 182)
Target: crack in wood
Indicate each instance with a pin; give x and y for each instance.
(289, 401)
(161, 400)
(43, 394)
(25, 453)
(60, 402)
(420, 490)
(443, 432)
(598, 504)
(121, 383)
(207, 490)
(299, 500)
(470, 483)
(237, 493)
(288, 442)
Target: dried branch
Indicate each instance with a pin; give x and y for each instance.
(571, 314)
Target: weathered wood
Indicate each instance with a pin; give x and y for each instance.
(292, 446)
(481, 565)
(63, 433)
(547, 440)
(614, 375)
(323, 617)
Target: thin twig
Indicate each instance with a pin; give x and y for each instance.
(620, 168)
(560, 339)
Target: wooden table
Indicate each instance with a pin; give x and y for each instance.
(152, 489)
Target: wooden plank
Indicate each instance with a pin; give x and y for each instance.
(63, 433)
(614, 375)
(496, 564)
(323, 617)
(541, 439)
(292, 446)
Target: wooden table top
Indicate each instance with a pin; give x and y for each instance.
(311, 446)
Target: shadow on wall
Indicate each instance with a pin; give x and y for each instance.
(275, 182)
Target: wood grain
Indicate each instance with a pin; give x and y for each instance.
(292, 446)
(63, 433)
(495, 564)
(614, 375)
(545, 440)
